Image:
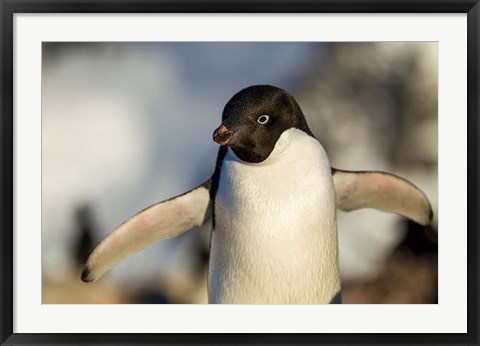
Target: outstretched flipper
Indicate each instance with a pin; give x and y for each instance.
(163, 220)
(382, 191)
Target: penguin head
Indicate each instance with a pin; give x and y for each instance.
(255, 118)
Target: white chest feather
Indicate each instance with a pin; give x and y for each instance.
(275, 239)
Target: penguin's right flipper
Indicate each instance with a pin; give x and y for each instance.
(382, 191)
(163, 220)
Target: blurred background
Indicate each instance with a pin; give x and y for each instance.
(125, 125)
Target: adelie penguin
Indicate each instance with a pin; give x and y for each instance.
(272, 199)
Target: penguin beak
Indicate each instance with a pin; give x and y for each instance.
(222, 135)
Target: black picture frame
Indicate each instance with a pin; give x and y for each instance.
(10, 7)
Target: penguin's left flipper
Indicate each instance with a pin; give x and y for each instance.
(163, 220)
(382, 191)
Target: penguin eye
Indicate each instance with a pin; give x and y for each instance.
(263, 119)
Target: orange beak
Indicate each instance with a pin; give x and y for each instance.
(222, 135)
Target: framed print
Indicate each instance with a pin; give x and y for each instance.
(136, 122)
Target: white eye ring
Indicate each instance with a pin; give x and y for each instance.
(263, 119)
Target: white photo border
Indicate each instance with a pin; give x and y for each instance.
(449, 316)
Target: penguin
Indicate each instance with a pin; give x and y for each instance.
(272, 199)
